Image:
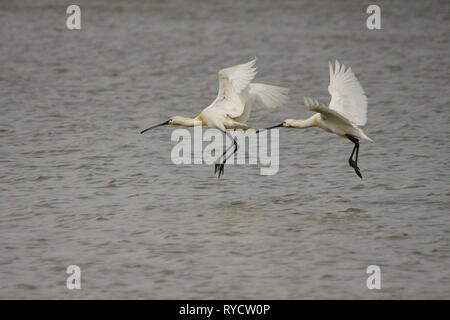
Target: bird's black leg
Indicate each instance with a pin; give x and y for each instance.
(354, 164)
(217, 165)
(220, 166)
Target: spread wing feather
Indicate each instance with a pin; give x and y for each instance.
(315, 106)
(233, 83)
(347, 95)
(268, 96)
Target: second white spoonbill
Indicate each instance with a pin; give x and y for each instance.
(346, 112)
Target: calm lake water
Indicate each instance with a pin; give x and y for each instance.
(80, 186)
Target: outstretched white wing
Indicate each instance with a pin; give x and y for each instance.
(262, 95)
(347, 95)
(268, 96)
(232, 82)
(237, 78)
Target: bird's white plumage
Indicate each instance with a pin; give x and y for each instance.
(237, 95)
(347, 110)
(237, 77)
(347, 95)
(327, 113)
(268, 96)
(330, 120)
(233, 104)
(233, 84)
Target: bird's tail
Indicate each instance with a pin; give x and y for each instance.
(268, 96)
(363, 135)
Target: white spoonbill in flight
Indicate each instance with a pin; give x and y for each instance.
(233, 104)
(346, 112)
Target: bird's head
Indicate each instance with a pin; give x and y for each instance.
(288, 123)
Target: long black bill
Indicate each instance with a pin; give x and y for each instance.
(277, 126)
(158, 125)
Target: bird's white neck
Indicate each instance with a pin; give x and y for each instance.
(302, 124)
(185, 122)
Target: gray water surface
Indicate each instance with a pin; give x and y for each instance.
(80, 186)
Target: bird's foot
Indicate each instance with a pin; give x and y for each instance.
(358, 172)
(219, 167)
(216, 167)
(355, 167)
